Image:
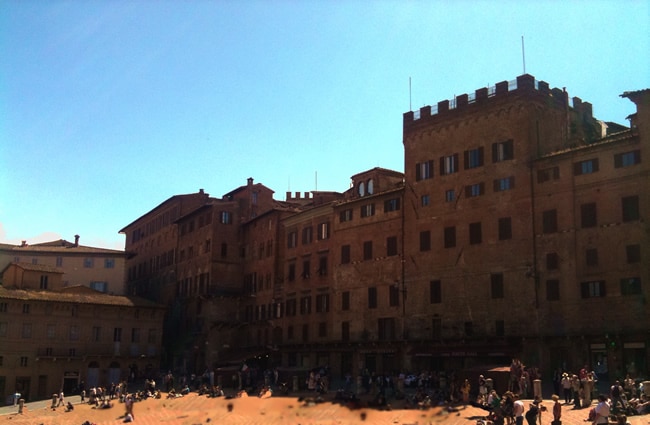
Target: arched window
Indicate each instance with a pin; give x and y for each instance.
(371, 187)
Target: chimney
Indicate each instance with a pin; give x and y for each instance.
(250, 181)
(23, 243)
(76, 240)
(201, 191)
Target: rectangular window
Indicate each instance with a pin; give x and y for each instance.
(323, 231)
(386, 329)
(391, 205)
(117, 334)
(448, 164)
(207, 246)
(588, 166)
(224, 250)
(633, 253)
(475, 233)
(305, 332)
(292, 239)
(552, 261)
(225, 217)
(450, 195)
(307, 235)
(3, 307)
(496, 285)
(505, 228)
(23, 361)
(27, 330)
(322, 303)
(25, 308)
(424, 170)
(627, 159)
(547, 174)
(345, 331)
(549, 221)
(372, 297)
(506, 183)
(322, 329)
(631, 286)
(89, 263)
(630, 205)
(368, 210)
(99, 286)
(591, 257)
(59, 261)
(450, 236)
(322, 266)
(425, 240)
(391, 246)
(499, 328)
(291, 307)
(345, 300)
(3, 329)
(367, 250)
(290, 334)
(109, 263)
(435, 292)
(345, 254)
(44, 279)
(473, 158)
(74, 333)
(588, 215)
(552, 290)
(393, 295)
(436, 328)
(291, 272)
(96, 334)
(425, 200)
(503, 151)
(593, 289)
(305, 305)
(473, 190)
(135, 335)
(306, 272)
(345, 215)
(51, 331)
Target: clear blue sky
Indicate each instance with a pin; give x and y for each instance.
(108, 108)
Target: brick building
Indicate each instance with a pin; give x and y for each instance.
(517, 230)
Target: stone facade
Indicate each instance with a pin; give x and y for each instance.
(53, 340)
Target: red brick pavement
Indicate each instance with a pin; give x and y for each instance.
(194, 409)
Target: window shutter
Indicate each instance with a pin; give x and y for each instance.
(418, 175)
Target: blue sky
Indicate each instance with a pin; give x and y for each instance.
(108, 108)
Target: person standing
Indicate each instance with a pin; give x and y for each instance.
(565, 382)
(464, 390)
(61, 401)
(518, 411)
(557, 410)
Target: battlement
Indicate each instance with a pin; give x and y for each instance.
(297, 196)
(523, 84)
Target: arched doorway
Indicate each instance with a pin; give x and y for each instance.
(114, 373)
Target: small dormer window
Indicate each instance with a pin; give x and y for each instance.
(371, 187)
(362, 189)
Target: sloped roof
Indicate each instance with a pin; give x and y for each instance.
(76, 295)
(34, 267)
(61, 246)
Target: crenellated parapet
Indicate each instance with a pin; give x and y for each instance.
(525, 85)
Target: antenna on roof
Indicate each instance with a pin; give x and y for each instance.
(316, 181)
(523, 53)
(410, 107)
